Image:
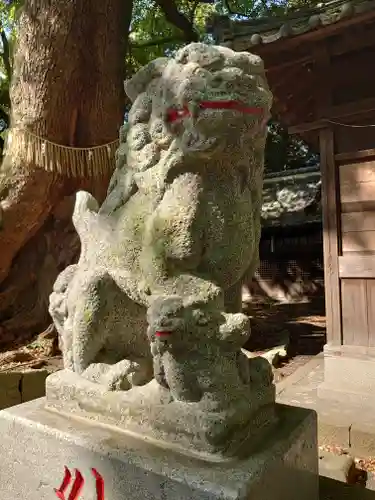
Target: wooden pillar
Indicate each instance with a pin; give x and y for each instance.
(330, 204)
(330, 196)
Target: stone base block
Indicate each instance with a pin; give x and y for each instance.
(202, 429)
(37, 444)
(349, 375)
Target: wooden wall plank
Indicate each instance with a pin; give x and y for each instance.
(330, 204)
(349, 140)
(357, 187)
(358, 241)
(357, 266)
(336, 112)
(354, 312)
(358, 206)
(357, 172)
(358, 221)
(357, 192)
(362, 154)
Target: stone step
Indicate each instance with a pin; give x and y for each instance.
(338, 467)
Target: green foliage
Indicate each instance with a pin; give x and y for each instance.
(8, 19)
(152, 36)
(285, 152)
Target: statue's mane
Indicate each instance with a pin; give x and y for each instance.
(151, 89)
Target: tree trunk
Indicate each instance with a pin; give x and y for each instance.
(67, 88)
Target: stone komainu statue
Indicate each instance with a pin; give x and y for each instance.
(179, 227)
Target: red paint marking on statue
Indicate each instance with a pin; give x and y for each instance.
(78, 485)
(60, 492)
(174, 114)
(161, 335)
(99, 484)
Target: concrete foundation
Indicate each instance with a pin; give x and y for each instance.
(347, 423)
(349, 375)
(37, 444)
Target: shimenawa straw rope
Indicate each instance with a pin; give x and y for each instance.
(96, 161)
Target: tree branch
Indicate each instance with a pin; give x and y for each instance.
(128, 17)
(158, 41)
(181, 22)
(192, 10)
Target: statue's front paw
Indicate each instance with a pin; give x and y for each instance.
(58, 305)
(121, 376)
(116, 380)
(260, 371)
(236, 329)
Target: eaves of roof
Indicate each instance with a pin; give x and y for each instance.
(266, 30)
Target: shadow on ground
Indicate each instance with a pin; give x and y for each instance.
(330, 489)
(303, 323)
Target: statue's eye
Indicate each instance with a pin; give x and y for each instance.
(217, 80)
(201, 319)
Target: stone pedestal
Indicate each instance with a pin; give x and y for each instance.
(36, 445)
(207, 429)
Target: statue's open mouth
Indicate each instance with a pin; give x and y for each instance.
(174, 114)
(163, 334)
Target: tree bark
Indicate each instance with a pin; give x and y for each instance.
(67, 88)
